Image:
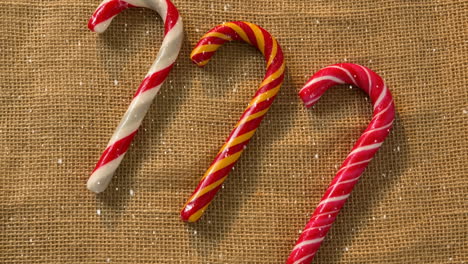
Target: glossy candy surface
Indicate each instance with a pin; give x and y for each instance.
(146, 92)
(245, 128)
(356, 161)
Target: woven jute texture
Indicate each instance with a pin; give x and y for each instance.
(64, 90)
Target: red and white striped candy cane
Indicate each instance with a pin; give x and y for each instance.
(356, 162)
(126, 130)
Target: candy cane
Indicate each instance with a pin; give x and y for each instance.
(126, 130)
(356, 162)
(245, 128)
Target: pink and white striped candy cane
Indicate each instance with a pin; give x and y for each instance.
(356, 162)
(126, 130)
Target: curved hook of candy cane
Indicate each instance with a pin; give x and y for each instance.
(356, 161)
(245, 128)
(126, 130)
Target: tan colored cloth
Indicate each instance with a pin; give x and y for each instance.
(64, 89)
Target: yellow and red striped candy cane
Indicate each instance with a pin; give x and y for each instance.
(170, 47)
(245, 128)
(356, 162)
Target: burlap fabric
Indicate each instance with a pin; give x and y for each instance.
(64, 89)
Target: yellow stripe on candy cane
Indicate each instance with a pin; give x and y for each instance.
(237, 140)
(205, 48)
(251, 117)
(264, 96)
(221, 164)
(259, 36)
(203, 63)
(273, 76)
(218, 35)
(194, 217)
(208, 188)
(239, 31)
(274, 50)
